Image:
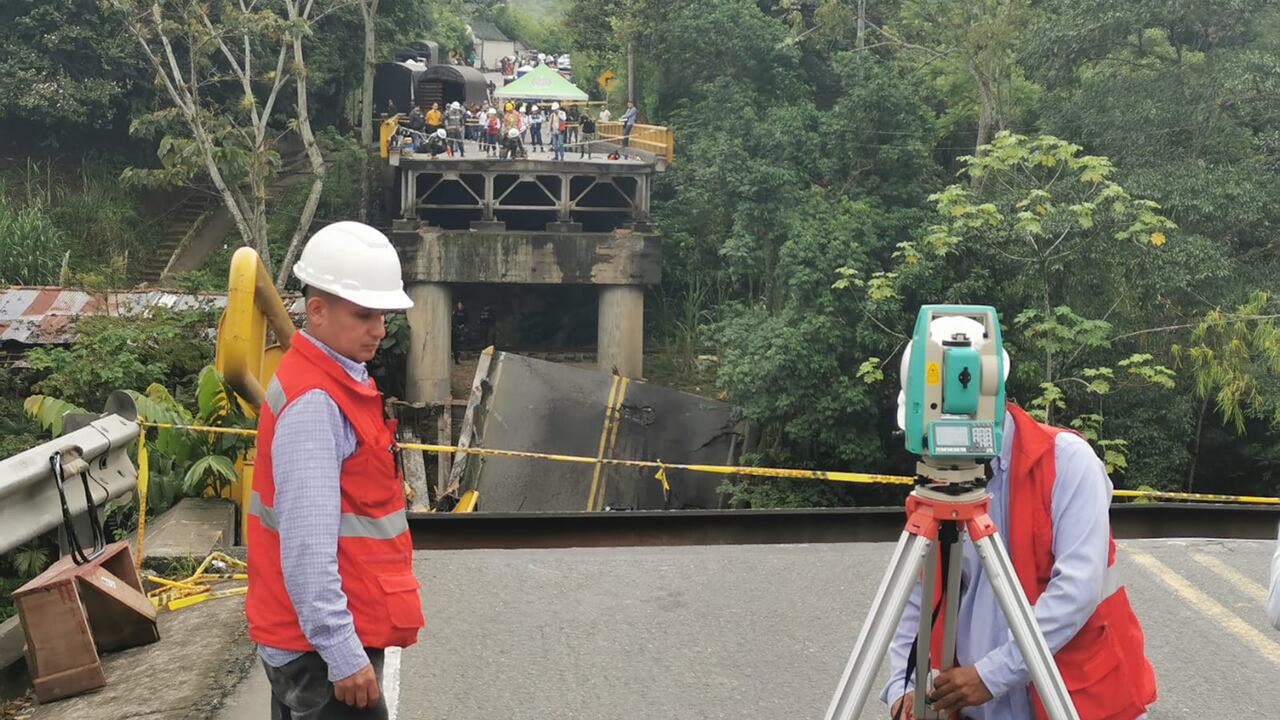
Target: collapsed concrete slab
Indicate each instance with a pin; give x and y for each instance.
(520, 403)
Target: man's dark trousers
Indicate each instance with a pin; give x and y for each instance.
(300, 690)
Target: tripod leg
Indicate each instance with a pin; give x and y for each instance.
(877, 630)
(1022, 623)
(948, 533)
(924, 634)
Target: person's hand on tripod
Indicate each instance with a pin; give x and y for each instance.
(904, 708)
(958, 688)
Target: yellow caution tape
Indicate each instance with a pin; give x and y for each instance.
(177, 594)
(143, 474)
(1201, 497)
(180, 603)
(789, 473)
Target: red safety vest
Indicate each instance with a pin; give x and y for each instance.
(375, 554)
(1104, 666)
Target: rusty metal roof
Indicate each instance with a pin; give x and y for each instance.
(47, 315)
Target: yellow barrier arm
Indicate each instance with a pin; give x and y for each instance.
(242, 354)
(386, 131)
(252, 305)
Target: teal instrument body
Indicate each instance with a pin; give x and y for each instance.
(954, 389)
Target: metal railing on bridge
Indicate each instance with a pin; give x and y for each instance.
(656, 139)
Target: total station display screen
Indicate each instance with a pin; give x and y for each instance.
(951, 436)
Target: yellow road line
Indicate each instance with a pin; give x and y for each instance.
(604, 438)
(1244, 583)
(613, 439)
(1210, 608)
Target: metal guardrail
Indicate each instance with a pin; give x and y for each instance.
(29, 504)
(448, 531)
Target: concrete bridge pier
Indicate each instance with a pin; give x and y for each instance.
(431, 359)
(620, 330)
(430, 342)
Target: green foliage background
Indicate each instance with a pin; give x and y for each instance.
(825, 187)
(1103, 172)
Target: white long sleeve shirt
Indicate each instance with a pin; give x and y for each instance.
(1081, 530)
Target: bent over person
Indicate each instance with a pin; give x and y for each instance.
(331, 582)
(1049, 498)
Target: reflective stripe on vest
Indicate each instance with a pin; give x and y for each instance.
(350, 524)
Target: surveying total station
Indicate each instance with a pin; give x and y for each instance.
(952, 411)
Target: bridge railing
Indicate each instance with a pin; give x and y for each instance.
(656, 139)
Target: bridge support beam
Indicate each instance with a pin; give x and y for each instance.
(620, 330)
(430, 342)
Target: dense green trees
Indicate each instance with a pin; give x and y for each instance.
(1103, 171)
(830, 180)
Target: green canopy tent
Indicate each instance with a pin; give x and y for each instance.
(541, 83)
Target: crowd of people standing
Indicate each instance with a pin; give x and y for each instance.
(511, 128)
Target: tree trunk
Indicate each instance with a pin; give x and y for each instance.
(1048, 351)
(860, 42)
(369, 12)
(318, 168)
(988, 109)
(1195, 450)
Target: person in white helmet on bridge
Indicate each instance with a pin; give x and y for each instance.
(437, 143)
(455, 119)
(559, 122)
(331, 581)
(1050, 497)
(535, 128)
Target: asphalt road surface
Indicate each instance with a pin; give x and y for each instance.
(748, 632)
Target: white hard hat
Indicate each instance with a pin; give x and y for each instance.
(943, 328)
(493, 111)
(555, 106)
(355, 262)
(441, 133)
(456, 105)
(533, 108)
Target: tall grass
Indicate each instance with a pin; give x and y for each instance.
(87, 218)
(31, 245)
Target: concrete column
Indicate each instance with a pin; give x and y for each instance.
(430, 353)
(408, 195)
(620, 332)
(562, 212)
(487, 204)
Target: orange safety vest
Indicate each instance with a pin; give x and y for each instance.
(375, 553)
(1104, 666)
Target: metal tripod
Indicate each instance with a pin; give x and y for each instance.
(934, 517)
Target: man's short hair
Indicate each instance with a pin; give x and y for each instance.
(309, 292)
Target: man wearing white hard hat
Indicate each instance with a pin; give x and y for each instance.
(1050, 497)
(455, 119)
(331, 581)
